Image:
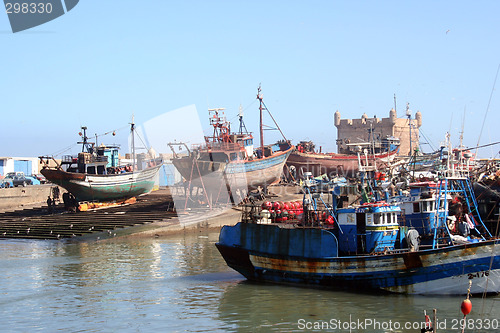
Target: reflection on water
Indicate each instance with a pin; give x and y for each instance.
(175, 284)
(251, 306)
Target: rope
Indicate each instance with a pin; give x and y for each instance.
(61, 151)
(428, 141)
(487, 108)
(279, 129)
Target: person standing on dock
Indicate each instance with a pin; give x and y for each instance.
(50, 207)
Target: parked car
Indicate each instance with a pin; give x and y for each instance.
(6, 183)
(34, 180)
(41, 178)
(18, 179)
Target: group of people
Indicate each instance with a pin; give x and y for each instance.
(117, 170)
(460, 221)
(51, 201)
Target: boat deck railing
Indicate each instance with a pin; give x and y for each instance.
(292, 216)
(222, 146)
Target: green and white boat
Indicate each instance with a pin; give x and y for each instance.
(94, 175)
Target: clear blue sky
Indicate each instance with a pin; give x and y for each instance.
(104, 60)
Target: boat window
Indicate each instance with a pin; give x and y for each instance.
(376, 218)
(91, 170)
(433, 205)
(233, 156)
(416, 207)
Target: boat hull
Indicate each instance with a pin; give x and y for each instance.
(258, 172)
(335, 164)
(190, 169)
(87, 187)
(439, 271)
(248, 174)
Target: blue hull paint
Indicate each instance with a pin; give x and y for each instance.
(447, 270)
(257, 165)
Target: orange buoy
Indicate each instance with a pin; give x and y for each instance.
(466, 306)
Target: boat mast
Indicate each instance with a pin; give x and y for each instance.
(408, 114)
(132, 129)
(261, 107)
(222, 128)
(86, 145)
(242, 124)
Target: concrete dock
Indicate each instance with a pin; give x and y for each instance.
(39, 223)
(153, 215)
(25, 197)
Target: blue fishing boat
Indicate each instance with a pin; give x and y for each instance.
(364, 247)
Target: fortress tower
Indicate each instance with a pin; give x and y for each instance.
(358, 130)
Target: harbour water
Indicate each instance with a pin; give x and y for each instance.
(181, 284)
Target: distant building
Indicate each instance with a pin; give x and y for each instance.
(28, 165)
(351, 131)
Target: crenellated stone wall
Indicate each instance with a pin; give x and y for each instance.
(358, 130)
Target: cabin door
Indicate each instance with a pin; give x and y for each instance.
(361, 232)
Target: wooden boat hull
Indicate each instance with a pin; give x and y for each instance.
(259, 172)
(190, 169)
(335, 164)
(237, 174)
(87, 187)
(307, 256)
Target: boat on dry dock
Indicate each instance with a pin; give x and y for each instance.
(363, 247)
(229, 158)
(305, 159)
(95, 175)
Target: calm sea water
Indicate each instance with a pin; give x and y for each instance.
(181, 284)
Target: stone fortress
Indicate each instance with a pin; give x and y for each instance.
(351, 131)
